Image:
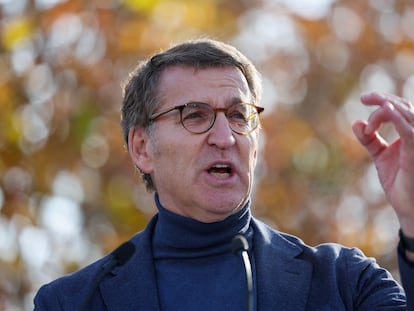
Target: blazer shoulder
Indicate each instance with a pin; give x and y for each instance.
(54, 295)
(70, 289)
(322, 252)
(345, 274)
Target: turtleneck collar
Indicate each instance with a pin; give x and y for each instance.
(182, 236)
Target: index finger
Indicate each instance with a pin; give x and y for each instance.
(380, 99)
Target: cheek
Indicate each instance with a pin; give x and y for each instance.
(170, 159)
(154, 146)
(252, 146)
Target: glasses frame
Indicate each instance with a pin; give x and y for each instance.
(180, 108)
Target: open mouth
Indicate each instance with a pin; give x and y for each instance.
(220, 170)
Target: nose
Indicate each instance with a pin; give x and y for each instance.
(221, 134)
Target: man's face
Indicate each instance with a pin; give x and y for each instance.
(206, 176)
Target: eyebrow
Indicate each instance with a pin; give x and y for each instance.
(227, 103)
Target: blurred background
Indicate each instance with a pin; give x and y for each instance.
(68, 191)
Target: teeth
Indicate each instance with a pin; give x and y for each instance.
(220, 170)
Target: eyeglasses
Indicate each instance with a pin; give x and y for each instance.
(198, 118)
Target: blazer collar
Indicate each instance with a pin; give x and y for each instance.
(282, 279)
(133, 286)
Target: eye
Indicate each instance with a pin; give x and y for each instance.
(238, 113)
(196, 113)
(193, 114)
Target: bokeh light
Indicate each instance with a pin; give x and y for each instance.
(68, 190)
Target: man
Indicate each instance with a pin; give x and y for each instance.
(191, 124)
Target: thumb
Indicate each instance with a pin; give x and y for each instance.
(358, 127)
(372, 142)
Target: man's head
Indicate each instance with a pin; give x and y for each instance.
(180, 161)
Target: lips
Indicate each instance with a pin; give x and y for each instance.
(220, 170)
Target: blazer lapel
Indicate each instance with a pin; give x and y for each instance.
(133, 286)
(283, 281)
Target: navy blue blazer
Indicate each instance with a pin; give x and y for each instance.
(289, 276)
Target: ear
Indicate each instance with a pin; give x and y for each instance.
(139, 149)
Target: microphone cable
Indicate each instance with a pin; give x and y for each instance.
(240, 247)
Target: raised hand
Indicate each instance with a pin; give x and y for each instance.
(394, 160)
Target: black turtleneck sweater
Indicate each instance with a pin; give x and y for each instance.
(195, 266)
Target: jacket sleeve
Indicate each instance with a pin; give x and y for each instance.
(345, 279)
(407, 277)
(371, 287)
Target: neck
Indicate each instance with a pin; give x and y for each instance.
(203, 215)
(184, 233)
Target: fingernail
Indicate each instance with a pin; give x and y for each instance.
(367, 130)
(390, 106)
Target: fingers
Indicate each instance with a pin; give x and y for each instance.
(374, 143)
(385, 113)
(376, 98)
(393, 109)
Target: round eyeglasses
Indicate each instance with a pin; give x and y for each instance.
(198, 118)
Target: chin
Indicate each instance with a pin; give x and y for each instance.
(226, 204)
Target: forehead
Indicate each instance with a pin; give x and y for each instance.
(185, 83)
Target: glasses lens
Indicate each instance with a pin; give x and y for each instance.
(197, 117)
(243, 118)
